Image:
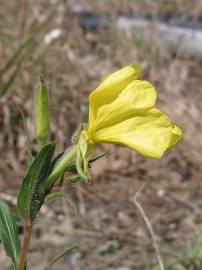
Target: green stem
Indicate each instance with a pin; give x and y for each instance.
(25, 246)
(59, 168)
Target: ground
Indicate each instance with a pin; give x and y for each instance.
(109, 229)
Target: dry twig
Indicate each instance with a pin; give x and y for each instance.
(149, 226)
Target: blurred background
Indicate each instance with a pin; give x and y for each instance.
(74, 43)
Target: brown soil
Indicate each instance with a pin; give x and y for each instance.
(110, 230)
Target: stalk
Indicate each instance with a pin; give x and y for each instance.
(25, 245)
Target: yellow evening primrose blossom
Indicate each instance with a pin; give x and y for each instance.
(122, 111)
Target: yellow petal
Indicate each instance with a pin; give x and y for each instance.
(90, 117)
(138, 96)
(176, 135)
(148, 133)
(111, 86)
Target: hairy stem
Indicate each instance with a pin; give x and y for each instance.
(25, 245)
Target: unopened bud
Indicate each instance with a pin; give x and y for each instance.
(41, 104)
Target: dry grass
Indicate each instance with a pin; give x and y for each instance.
(111, 234)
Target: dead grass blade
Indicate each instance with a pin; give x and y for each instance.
(150, 229)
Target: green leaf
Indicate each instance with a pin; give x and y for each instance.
(61, 195)
(62, 254)
(9, 233)
(28, 141)
(31, 195)
(73, 179)
(96, 157)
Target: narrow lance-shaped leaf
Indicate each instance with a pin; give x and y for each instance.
(59, 256)
(72, 165)
(31, 194)
(61, 195)
(9, 233)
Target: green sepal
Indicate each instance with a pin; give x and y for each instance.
(80, 161)
(9, 233)
(93, 158)
(73, 179)
(71, 167)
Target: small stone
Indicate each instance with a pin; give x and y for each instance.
(161, 193)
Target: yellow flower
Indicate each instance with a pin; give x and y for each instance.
(122, 111)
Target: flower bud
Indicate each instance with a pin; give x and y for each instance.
(41, 103)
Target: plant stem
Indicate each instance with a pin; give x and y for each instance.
(60, 166)
(25, 245)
